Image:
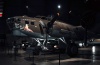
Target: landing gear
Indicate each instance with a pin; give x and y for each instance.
(72, 50)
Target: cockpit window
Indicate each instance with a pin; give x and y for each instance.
(26, 22)
(32, 23)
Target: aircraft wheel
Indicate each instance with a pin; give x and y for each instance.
(72, 50)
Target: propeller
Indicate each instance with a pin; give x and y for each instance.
(50, 24)
(47, 27)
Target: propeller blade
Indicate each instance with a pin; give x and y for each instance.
(50, 24)
(53, 20)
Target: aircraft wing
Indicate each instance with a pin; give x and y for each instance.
(23, 33)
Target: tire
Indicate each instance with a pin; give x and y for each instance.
(72, 50)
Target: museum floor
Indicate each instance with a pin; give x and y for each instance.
(85, 57)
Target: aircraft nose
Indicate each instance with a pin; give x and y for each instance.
(10, 19)
(18, 20)
(10, 22)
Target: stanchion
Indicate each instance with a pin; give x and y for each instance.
(59, 51)
(33, 58)
(59, 56)
(15, 54)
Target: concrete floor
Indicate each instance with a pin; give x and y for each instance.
(86, 56)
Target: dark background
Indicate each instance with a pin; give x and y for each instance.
(49, 7)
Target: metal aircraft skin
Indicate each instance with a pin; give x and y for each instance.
(36, 28)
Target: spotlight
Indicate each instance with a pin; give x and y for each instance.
(93, 49)
(27, 7)
(59, 6)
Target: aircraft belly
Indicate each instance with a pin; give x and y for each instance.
(36, 35)
(60, 33)
(18, 33)
(56, 33)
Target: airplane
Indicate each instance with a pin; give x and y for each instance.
(39, 28)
